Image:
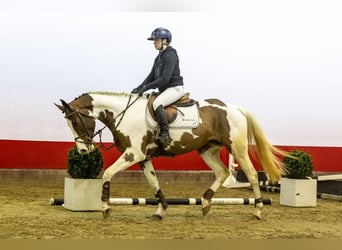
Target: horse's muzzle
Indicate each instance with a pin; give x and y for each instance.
(84, 148)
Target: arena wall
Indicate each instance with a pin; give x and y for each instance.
(18, 154)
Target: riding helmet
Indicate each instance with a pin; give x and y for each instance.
(161, 33)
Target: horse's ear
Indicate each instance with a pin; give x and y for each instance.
(60, 107)
(64, 107)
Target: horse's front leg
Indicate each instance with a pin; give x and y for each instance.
(152, 180)
(126, 160)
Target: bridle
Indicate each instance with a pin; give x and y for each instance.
(86, 133)
(88, 136)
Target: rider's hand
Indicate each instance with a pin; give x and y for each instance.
(135, 91)
(142, 90)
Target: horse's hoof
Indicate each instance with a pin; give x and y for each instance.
(156, 217)
(106, 212)
(206, 206)
(206, 209)
(257, 214)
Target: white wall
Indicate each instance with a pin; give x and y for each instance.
(279, 59)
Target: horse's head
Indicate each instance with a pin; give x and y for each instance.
(82, 125)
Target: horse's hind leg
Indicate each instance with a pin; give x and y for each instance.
(243, 159)
(152, 180)
(211, 157)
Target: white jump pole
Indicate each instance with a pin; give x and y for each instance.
(185, 201)
(175, 201)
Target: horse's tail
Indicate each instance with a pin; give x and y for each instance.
(267, 154)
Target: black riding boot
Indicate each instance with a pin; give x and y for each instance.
(164, 136)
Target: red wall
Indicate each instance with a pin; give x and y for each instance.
(53, 155)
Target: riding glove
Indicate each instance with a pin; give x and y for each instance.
(141, 89)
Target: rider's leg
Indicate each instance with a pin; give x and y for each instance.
(164, 136)
(165, 98)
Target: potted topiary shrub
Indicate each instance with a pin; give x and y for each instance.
(82, 190)
(297, 188)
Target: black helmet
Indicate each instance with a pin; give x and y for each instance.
(161, 33)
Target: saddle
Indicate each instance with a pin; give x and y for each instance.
(171, 110)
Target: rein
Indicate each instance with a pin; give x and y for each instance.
(99, 132)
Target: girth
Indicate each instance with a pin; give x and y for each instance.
(171, 110)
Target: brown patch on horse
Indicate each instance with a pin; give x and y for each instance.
(84, 101)
(107, 118)
(215, 119)
(171, 110)
(129, 157)
(216, 102)
(211, 131)
(147, 139)
(184, 144)
(153, 151)
(121, 141)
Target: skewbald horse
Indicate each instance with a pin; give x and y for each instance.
(220, 126)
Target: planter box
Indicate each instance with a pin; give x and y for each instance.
(82, 194)
(298, 192)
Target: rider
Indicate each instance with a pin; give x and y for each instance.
(165, 75)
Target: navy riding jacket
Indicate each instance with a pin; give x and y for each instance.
(165, 72)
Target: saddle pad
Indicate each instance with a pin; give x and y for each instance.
(187, 117)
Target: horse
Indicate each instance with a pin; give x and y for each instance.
(220, 125)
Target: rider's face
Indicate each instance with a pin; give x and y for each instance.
(158, 43)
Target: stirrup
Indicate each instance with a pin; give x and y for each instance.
(164, 139)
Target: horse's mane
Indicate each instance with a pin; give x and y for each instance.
(107, 93)
(120, 94)
(76, 98)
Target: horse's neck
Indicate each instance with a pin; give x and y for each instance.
(115, 103)
(114, 111)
